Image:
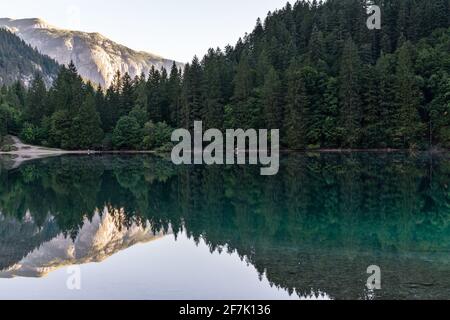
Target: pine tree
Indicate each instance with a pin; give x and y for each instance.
(67, 91)
(349, 94)
(438, 112)
(192, 94)
(35, 104)
(174, 93)
(212, 90)
(140, 91)
(316, 55)
(20, 93)
(126, 96)
(61, 135)
(331, 135)
(272, 100)
(87, 125)
(75, 86)
(112, 106)
(298, 105)
(164, 94)
(154, 95)
(386, 87)
(371, 132)
(408, 130)
(243, 99)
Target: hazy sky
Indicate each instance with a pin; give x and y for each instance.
(175, 29)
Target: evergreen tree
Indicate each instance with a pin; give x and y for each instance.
(244, 105)
(297, 111)
(192, 94)
(386, 88)
(272, 100)
(438, 110)
(154, 95)
(372, 129)
(351, 108)
(87, 125)
(61, 135)
(331, 134)
(174, 94)
(127, 98)
(35, 104)
(212, 90)
(408, 130)
(113, 102)
(316, 55)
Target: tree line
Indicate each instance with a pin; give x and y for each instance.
(313, 70)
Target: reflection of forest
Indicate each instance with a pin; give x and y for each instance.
(317, 225)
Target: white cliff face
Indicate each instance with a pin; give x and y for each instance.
(97, 240)
(97, 58)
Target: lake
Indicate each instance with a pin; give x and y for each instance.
(139, 227)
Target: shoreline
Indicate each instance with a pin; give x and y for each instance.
(74, 152)
(56, 152)
(26, 151)
(30, 153)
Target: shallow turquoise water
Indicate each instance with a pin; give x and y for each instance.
(139, 227)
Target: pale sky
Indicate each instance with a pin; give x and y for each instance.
(174, 29)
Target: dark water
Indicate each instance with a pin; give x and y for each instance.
(142, 228)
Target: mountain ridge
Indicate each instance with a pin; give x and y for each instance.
(96, 57)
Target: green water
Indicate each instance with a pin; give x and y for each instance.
(311, 230)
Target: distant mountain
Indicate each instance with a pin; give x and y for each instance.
(96, 57)
(19, 61)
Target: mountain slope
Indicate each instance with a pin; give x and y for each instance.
(96, 57)
(19, 61)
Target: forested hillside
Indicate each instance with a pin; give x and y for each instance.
(313, 70)
(19, 64)
(19, 61)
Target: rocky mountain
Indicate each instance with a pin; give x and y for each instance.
(19, 61)
(96, 57)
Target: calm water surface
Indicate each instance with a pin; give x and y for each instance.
(138, 227)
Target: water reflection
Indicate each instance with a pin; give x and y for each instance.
(313, 228)
(97, 240)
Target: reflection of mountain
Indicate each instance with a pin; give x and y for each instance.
(315, 227)
(98, 239)
(18, 238)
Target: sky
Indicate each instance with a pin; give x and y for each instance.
(174, 29)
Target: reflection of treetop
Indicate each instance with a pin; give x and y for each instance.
(321, 213)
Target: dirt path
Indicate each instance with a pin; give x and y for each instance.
(22, 149)
(24, 152)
